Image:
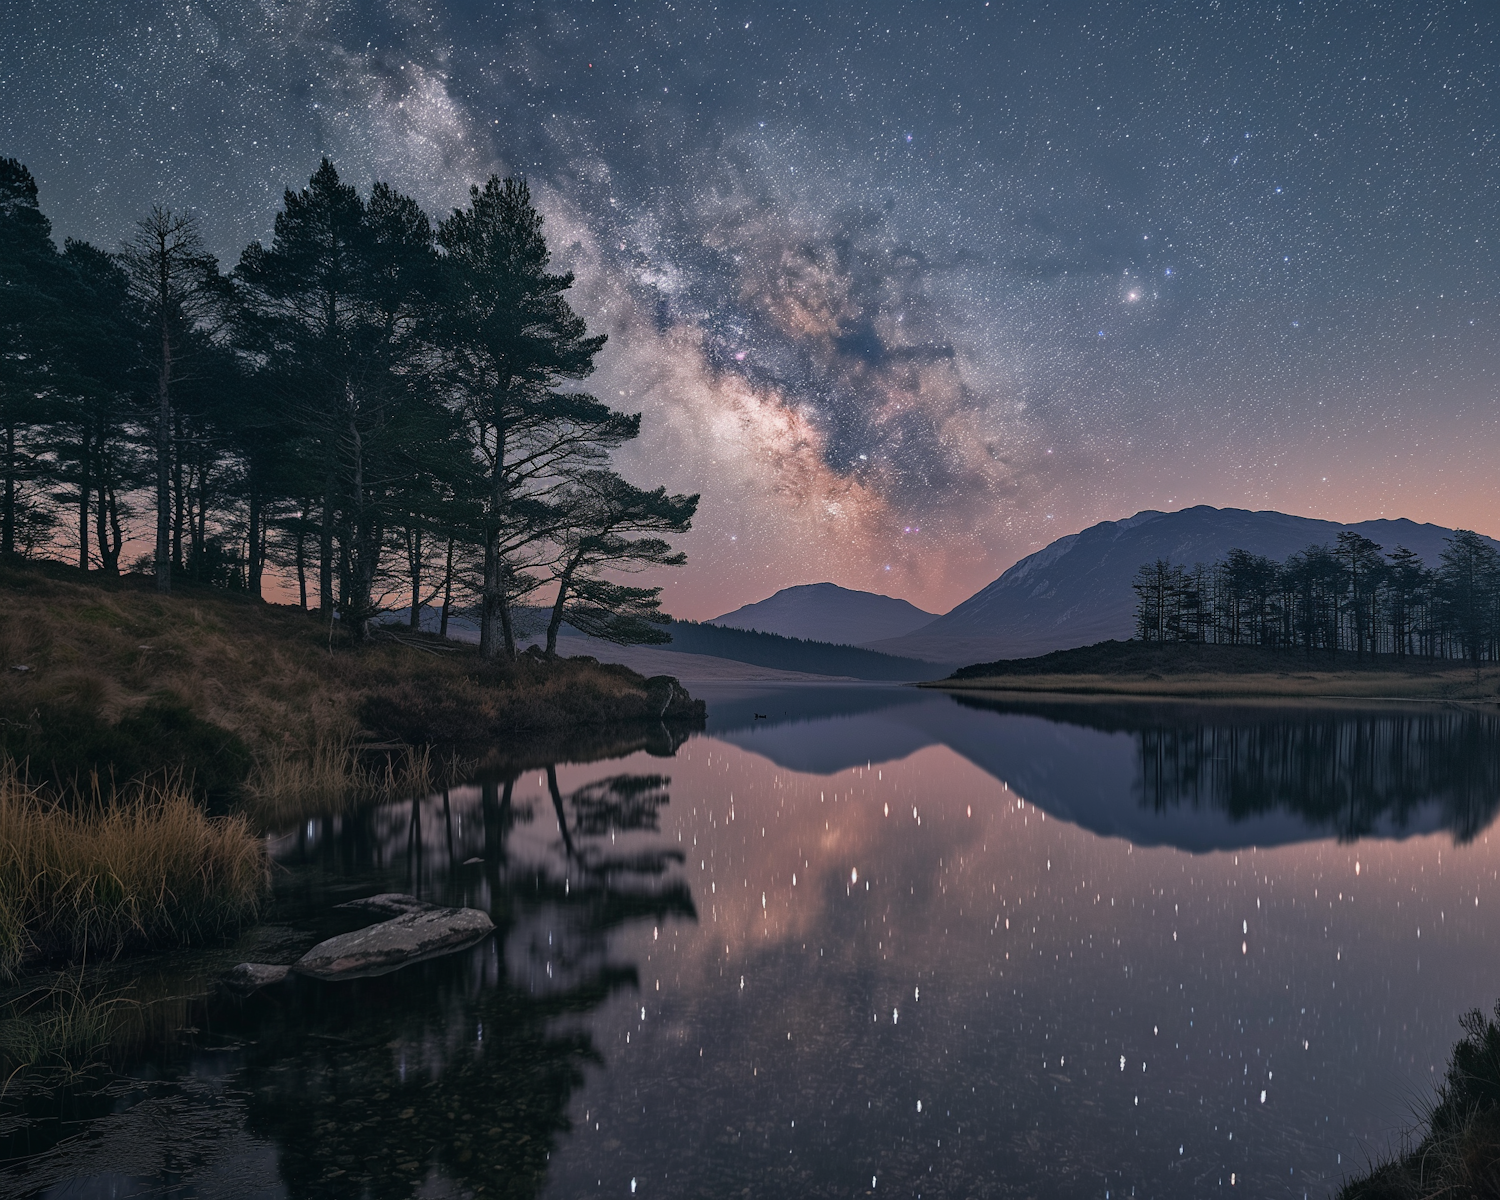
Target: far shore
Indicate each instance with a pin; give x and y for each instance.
(1133, 669)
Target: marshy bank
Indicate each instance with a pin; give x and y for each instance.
(148, 742)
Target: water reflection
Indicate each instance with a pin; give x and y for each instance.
(1198, 776)
(746, 965)
(451, 1076)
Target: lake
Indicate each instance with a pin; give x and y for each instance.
(850, 940)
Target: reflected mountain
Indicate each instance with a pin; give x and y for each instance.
(1197, 776)
(451, 1076)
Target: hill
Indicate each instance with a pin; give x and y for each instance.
(825, 612)
(1076, 591)
(260, 701)
(799, 654)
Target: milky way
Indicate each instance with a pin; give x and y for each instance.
(907, 290)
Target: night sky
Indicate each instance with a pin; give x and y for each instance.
(906, 290)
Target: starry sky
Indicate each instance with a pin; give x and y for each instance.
(906, 290)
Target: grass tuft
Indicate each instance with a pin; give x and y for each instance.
(90, 873)
(60, 1029)
(1459, 1154)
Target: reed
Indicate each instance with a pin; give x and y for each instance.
(61, 1028)
(96, 872)
(289, 784)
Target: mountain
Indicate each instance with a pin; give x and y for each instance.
(1077, 590)
(825, 612)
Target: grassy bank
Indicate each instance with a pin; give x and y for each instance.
(1457, 1151)
(1201, 672)
(262, 704)
(91, 874)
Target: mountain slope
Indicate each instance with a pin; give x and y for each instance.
(825, 612)
(1077, 590)
(799, 654)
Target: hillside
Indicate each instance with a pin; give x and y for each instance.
(825, 612)
(257, 700)
(797, 654)
(1076, 591)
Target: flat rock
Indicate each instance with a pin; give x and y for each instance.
(250, 977)
(414, 936)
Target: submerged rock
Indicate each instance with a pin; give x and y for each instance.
(417, 934)
(250, 977)
(393, 904)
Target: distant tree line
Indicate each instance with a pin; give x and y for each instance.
(1345, 597)
(385, 408)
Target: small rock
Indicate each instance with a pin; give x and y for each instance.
(250, 977)
(390, 945)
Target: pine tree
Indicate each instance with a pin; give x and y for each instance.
(33, 316)
(511, 341)
(602, 511)
(181, 295)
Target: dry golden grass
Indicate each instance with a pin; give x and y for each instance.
(1459, 683)
(97, 873)
(256, 702)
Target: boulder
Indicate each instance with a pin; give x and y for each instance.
(414, 936)
(250, 977)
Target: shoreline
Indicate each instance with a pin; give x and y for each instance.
(1122, 670)
(253, 704)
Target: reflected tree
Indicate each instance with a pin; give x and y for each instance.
(463, 1065)
(1353, 772)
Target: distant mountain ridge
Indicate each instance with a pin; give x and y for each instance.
(799, 654)
(825, 612)
(1076, 591)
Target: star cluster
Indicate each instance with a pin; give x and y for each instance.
(905, 290)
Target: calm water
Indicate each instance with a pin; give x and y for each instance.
(880, 942)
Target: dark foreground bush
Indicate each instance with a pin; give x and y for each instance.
(95, 874)
(1459, 1154)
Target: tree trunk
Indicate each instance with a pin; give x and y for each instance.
(508, 629)
(490, 598)
(564, 582)
(85, 489)
(200, 525)
(414, 562)
(302, 558)
(8, 516)
(107, 526)
(164, 455)
(255, 552)
(447, 592)
(179, 495)
(495, 634)
(325, 553)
